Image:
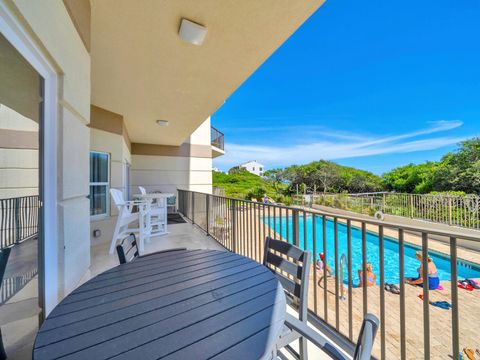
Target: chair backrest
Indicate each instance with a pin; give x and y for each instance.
(296, 263)
(119, 201)
(366, 338)
(117, 197)
(142, 190)
(127, 250)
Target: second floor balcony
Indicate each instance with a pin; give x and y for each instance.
(217, 139)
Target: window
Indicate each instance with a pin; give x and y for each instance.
(261, 168)
(99, 185)
(253, 169)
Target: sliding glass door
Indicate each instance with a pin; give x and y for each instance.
(21, 244)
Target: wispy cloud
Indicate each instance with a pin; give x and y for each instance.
(334, 145)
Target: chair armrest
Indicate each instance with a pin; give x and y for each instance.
(306, 331)
(314, 337)
(129, 204)
(365, 342)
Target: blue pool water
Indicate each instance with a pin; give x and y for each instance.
(391, 251)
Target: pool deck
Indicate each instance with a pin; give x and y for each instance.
(440, 319)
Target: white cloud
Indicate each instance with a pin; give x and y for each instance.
(332, 145)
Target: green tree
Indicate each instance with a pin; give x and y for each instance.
(456, 171)
(460, 170)
(411, 178)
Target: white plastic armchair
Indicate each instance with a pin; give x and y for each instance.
(127, 217)
(363, 350)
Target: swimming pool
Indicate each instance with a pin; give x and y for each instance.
(391, 251)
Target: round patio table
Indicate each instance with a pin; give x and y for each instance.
(185, 304)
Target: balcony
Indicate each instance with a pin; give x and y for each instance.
(217, 142)
(437, 326)
(412, 327)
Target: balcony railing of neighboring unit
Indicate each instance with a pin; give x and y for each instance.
(217, 138)
(406, 331)
(18, 219)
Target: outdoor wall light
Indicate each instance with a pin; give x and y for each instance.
(191, 32)
(162, 122)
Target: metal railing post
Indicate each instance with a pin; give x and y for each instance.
(193, 207)
(207, 209)
(426, 304)
(455, 324)
(295, 228)
(17, 220)
(411, 206)
(234, 226)
(449, 211)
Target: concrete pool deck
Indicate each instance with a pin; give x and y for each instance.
(440, 319)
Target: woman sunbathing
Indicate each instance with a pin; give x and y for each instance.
(433, 279)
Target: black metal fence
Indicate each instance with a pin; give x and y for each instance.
(18, 219)
(217, 138)
(406, 332)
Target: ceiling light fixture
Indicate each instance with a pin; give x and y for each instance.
(162, 122)
(191, 32)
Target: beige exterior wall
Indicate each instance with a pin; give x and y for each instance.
(172, 171)
(18, 154)
(50, 25)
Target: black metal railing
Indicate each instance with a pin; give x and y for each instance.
(406, 331)
(18, 219)
(217, 138)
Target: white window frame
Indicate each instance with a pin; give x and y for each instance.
(107, 193)
(15, 32)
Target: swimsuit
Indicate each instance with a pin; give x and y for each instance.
(370, 278)
(433, 280)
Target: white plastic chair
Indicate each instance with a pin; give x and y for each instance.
(158, 214)
(126, 216)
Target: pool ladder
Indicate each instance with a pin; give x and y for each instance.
(342, 288)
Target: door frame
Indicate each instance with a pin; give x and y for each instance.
(48, 263)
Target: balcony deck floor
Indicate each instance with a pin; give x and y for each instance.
(180, 235)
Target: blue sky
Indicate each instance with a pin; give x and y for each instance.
(369, 84)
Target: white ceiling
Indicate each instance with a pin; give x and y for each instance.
(142, 70)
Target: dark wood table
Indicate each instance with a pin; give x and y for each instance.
(193, 304)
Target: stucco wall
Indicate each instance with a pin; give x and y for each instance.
(168, 173)
(18, 154)
(49, 24)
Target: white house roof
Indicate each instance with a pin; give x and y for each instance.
(251, 162)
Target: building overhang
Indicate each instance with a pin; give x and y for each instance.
(142, 70)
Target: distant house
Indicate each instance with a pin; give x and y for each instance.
(253, 167)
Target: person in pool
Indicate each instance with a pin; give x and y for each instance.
(321, 262)
(371, 276)
(433, 279)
